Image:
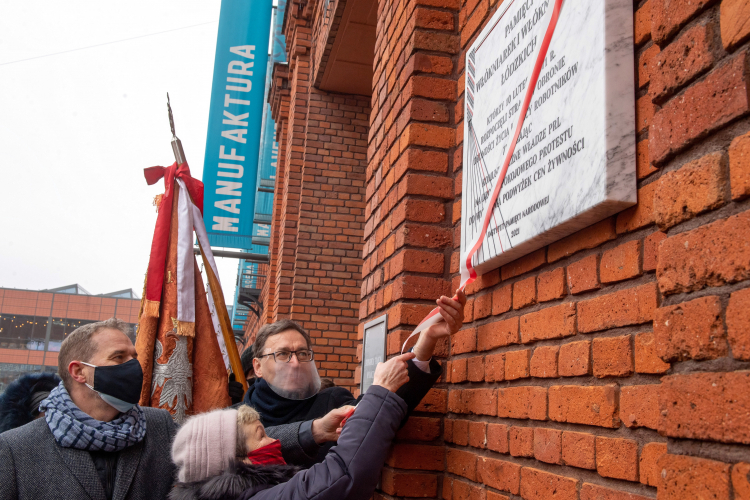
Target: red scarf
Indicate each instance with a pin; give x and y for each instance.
(269, 454)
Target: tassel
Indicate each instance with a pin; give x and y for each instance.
(151, 308)
(185, 329)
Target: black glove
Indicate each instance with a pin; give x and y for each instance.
(236, 392)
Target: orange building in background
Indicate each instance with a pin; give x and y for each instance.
(33, 324)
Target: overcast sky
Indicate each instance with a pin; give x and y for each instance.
(78, 128)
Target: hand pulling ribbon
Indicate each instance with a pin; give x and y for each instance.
(468, 273)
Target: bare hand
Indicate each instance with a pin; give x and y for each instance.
(393, 373)
(327, 428)
(452, 311)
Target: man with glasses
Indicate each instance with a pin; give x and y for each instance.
(286, 393)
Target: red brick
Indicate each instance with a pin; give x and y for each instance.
(643, 165)
(575, 359)
(651, 250)
(436, 401)
(424, 134)
(497, 334)
(499, 474)
(540, 485)
(478, 434)
(582, 275)
(613, 357)
(644, 113)
(617, 458)
(733, 19)
(408, 484)
(579, 449)
(497, 438)
(419, 287)
(473, 401)
(709, 104)
(524, 293)
(488, 280)
(517, 364)
(458, 371)
(416, 456)
(646, 358)
(594, 492)
(738, 324)
(494, 367)
(461, 463)
(712, 255)
(621, 263)
(523, 265)
(650, 473)
(668, 16)
(640, 215)
(521, 441)
(442, 42)
(418, 261)
(685, 477)
(482, 306)
(695, 188)
(741, 481)
(491, 495)
(690, 330)
(433, 19)
(459, 431)
(425, 185)
(590, 237)
(639, 406)
(543, 362)
(475, 368)
(642, 24)
(420, 429)
(527, 402)
(631, 306)
(682, 60)
(551, 323)
(551, 285)
(739, 166)
(584, 405)
(709, 406)
(461, 490)
(547, 445)
(429, 86)
(645, 65)
(464, 341)
(501, 300)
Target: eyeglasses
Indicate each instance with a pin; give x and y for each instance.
(303, 356)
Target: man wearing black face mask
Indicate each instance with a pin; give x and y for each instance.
(95, 441)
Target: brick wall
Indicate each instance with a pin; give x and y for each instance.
(612, 364)
(316, 243)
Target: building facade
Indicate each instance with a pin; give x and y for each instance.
(33, 324)
(612, 363)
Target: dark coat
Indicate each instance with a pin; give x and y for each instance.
(34, 466)
(15, 403)
(350, 470)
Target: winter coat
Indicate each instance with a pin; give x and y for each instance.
(18, 404)
(350, 470)
(34, 466)
(303, 452)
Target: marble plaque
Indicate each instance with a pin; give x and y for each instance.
(373, 349)
(574, 163)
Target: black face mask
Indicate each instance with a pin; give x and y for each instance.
(118, 385)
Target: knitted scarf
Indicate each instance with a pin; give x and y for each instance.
(73, 428)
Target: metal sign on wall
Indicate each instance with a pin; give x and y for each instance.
(230, 168)
(574, 161)
(374, 349)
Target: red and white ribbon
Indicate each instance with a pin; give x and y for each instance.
(468, 273)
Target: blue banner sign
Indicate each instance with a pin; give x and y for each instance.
(230, 169)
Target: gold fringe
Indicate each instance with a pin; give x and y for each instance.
(151, 308)
(185, 329)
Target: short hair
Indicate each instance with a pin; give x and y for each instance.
(274, 329)
(245, 415)
(78, 345)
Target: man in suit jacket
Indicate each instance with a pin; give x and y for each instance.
(95, 441)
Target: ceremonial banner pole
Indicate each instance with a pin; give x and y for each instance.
(217, 294)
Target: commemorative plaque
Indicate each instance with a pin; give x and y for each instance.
(574, 161)
(373, 350)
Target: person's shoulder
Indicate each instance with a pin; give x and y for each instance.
(157, 417)
(337, 395)
(34, 431)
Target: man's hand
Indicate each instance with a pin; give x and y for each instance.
(327, 428)
(452, 312)
(393, 373)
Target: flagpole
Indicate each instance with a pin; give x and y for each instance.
(213, 281)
